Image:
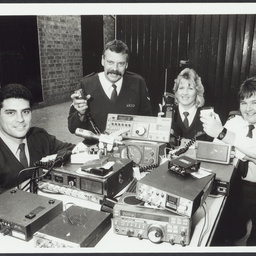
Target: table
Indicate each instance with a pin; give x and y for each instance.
(204, 223)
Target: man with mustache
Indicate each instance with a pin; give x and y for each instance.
(130, 95)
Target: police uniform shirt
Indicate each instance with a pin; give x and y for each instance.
(107, 85)
(191, 111)
(13, 146)
(239, 126)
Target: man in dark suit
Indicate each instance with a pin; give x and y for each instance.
(20, 144)
(113, 91)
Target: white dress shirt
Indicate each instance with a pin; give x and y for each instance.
(191, 111)
(14, 146)
(239, 126)
(107, 85)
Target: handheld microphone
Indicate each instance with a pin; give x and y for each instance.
(86, 134)
(103, 139)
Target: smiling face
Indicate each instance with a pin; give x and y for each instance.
(248, 109)
(186, 93)
(15, 118)
(114, 65)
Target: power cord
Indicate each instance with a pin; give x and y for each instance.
(206, 224)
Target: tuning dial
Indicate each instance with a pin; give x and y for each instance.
(141, 130)
(155, 234)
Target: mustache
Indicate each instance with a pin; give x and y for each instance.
(116, 72)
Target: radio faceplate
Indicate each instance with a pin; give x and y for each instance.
(179, 194)
(141, 127)
(70, 180)
(132, 218)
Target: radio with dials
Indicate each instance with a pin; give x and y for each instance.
(91, 184)
(132, 217)
(147, 128)
(179, 194)
(145, 137)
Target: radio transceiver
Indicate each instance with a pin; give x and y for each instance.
(132, 218)
(180, 194)
(147, 128)
(184, 165)
(76, 227)
(73, 181)
(23, 213)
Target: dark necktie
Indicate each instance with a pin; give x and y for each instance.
(23, 158)
(114, 93)
(244, 165)
(186, 119)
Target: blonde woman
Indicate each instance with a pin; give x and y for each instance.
(189, 99)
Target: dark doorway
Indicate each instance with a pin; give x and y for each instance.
(92, 43)
(19, 53)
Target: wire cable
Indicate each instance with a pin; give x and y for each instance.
(205, 226)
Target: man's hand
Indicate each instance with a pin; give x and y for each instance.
(80, 104)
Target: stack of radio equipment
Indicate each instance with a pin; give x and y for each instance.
(162, 206)
(159, 209)
(164, 201)
(143, 143)
(133, 216)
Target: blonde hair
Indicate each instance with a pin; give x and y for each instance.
(193, 78)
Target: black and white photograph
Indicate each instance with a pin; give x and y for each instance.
(128, 128)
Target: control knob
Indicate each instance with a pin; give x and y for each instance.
(155, 233)
(141, 130)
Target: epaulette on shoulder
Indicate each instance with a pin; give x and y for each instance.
(131, 73)
(232, 114)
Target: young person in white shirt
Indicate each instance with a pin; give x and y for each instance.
(240, 132)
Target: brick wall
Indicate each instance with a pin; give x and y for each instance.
(60, 50)
(108, 28)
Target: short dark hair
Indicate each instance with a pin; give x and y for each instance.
(117, 46)
(17, 91)
(247, 88)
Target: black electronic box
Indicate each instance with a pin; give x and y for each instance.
(23, 213)
(76, 227)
